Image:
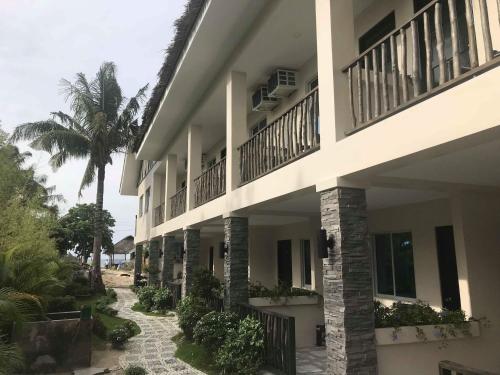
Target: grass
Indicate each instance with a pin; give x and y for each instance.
(140, 308)
(111, 322)
(194, 354)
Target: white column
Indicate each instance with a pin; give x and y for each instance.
(170, 182)
(236, 125)
(193, 162)
(336, 46)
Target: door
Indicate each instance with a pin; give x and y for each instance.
(285, 262)
(211, 260)
(448, 274)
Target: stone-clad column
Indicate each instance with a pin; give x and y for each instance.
(347, 283)
(235, 261)
(154, 263)
(191, 258)
(137, 262)
(169, 248)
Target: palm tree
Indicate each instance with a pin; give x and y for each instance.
(103, 123)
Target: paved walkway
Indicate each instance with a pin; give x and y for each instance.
(152, 348)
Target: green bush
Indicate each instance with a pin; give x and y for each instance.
(212, 328)
(162, 299)
(135, 370)
(77, 289)
(189, 311)
(102, 306)
(145, 295)
(279, 291)
(130, 327)
(414, 314)
(118, 337)
(61, 304)
(98, 327)
(243, 349)
(110, 292)
(205, 285)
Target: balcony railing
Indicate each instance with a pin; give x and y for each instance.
(178, 203)
(293, 135)
(452, 368)
(159, 215)
(437, 48)
(211, 184)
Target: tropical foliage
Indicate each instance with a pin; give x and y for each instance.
(102, 123)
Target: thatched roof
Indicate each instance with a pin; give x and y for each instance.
(183, 26)
(124, 246)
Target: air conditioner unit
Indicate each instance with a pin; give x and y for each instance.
(282, 83)
(261, 102)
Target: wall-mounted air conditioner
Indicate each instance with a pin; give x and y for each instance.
(282, 83)
(261, 102)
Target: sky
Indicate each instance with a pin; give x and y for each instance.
(43, 41)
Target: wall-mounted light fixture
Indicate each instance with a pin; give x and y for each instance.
(324, 243)
(222, 250)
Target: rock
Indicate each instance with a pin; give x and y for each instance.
(44, 363)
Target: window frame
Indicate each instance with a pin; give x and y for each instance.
(147, 198)
(393, 297)
(309, 84)
(141, 205)
(303, 265)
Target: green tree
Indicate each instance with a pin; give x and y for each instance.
(75, 231)
(103, 123)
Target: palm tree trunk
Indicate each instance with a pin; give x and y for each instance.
(96, 282)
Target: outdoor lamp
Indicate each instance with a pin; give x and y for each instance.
(324, 243)
(222, 250)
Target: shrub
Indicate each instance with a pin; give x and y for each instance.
(190, 310)
(98, 327)
(77, 289)
(101, 306)
(279, 291)
(60, 304)
(135, 370)
(110, 292)
(205, 285)
(162, 299)
(118, 337)
(145, 295)
(130, 327)
(243, 349)
(212, 328)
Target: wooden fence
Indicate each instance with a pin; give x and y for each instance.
(279, 337)
(211, 184)
(178, 203)
(293, 135)
(436, 46)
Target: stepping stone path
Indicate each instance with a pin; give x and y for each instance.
(153, 348)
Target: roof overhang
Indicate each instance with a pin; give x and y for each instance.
(130, 171)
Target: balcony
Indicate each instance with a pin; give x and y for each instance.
(178, 203)
(293, 135)
(158, 215)
(435, 50)
(211, 184)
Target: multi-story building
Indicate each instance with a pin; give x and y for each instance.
(377, 120)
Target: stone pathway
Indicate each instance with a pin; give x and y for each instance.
(153, 348)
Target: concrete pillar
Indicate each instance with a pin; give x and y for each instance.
(137, 262)
(347, 283)
(154, 263)
(236, 125)
(336, 46)
(169, 249)
(235, 261)
(170, 182)
(191, 258)
(194, 162)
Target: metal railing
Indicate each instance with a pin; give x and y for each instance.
(159, 215)
(293, 135)
(421, 58)
(279, 337)
(178, 203)
(452, 368)
(211, 184)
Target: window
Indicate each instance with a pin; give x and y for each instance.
(312, 84)
(223, 153)
(141, 202)
(258, 127)
(305, 255)
(395, 273)
(377, 32)
(146, 200)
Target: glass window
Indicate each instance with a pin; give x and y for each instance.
(305, 254)
(223, 153)
(313, 83)
(141, 201)
(395, 272)
(146, 200)
(258, 127)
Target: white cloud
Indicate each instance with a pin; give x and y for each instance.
(42, 41)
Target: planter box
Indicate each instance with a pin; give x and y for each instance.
(283, 301)
(431, 333)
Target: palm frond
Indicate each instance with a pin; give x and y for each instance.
(71, 123)
(88, 176)
(33, 130)
(11, 359)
